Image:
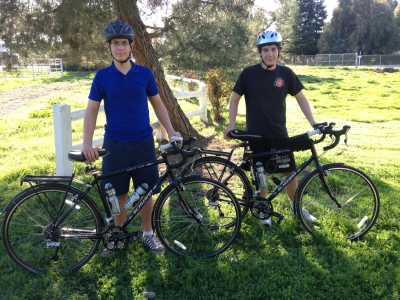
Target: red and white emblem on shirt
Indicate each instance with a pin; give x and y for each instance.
(279, 82)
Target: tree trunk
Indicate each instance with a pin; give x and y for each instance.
(144, 54)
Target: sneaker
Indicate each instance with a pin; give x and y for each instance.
(152, 243)
(308, 217)
(267, 222)
(213, 204)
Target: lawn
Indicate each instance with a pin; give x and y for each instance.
(283, 262)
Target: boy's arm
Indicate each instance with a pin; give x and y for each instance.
(89, 125)
(162, 115)
(233, 109)
(305, 107)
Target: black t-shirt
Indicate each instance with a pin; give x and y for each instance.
(265, 95)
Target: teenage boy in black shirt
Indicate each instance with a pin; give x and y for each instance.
(265, 87)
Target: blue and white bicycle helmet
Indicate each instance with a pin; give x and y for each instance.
(268, 37)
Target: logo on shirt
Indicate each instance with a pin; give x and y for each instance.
(279, 82)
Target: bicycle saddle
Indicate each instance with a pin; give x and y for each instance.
(295, 143)
(245, 136)
(77, 155)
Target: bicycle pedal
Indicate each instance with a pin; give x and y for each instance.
(134, 236)
(106, 252)
(279, 216)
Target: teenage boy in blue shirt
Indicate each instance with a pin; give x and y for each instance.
(125, 87)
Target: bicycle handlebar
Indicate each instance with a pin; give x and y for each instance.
(325, 130)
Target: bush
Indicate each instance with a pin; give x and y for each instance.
(218, 92)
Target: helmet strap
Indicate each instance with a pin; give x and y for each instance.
(267, 67)
(121, 61)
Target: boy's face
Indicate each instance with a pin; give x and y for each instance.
(120, 48)
(270, 54)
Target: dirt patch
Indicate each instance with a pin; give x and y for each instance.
(14, 100)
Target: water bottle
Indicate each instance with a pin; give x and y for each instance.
(139, 192)
(261, 177)
(112, 198)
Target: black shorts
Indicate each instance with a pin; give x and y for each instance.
(125, 154)
(274, 163)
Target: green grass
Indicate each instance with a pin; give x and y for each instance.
(279, 263)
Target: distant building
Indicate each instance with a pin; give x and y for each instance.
(3, 48)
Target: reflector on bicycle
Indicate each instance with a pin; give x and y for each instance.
(180, 245)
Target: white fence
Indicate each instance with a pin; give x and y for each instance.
(46, 65)
(36, 67)
(63, 117)
(346, 59)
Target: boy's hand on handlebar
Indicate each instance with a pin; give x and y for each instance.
(227, 131)
(91, 154)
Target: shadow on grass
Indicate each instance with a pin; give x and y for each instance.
(318, 79)
(285, 262)
(281, 262)
(69, 76)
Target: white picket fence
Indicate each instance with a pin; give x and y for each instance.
(63, 117)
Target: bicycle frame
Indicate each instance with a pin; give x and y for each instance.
(284, 182)
(137, 206)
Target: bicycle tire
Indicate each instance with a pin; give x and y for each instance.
(30, 215)
(353, 190)
(188, 225)
(236, 179)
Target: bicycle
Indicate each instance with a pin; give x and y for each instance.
(55, 224)
(333, 195)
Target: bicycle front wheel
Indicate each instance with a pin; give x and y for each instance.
(343, 202)
(198, 217)
(34, 241)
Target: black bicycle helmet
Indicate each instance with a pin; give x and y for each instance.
(118, 29)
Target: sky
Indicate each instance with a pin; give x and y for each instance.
(271, 5)
(154, 19)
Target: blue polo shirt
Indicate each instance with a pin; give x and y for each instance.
(125, 101)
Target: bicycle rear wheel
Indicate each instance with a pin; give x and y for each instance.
(351, 209)
(35, 243)
(188, 224)
(227, 173)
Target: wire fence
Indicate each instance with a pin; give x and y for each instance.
(346, 59)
